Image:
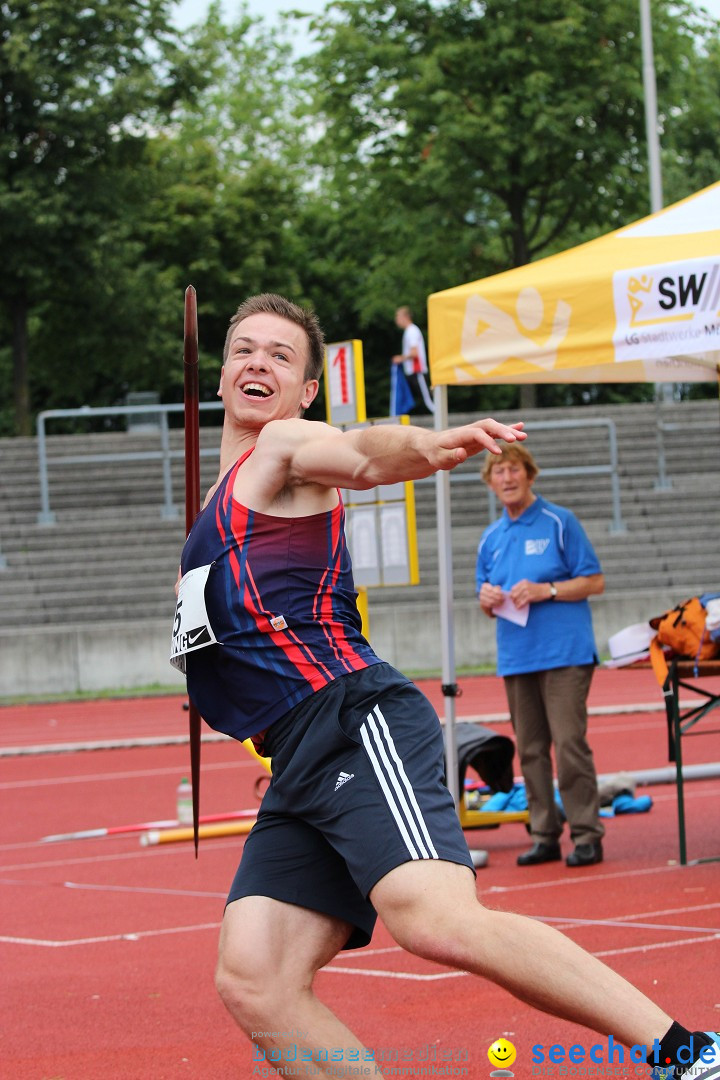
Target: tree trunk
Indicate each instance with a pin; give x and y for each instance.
(20, 366)
(528, 396)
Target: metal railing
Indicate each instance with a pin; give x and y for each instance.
(617, 525)
(165, 454)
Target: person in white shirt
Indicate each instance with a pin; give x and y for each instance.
(413, 357)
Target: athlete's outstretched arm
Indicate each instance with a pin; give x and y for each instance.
(382, 454)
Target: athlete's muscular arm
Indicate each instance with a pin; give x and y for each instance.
(312, 453)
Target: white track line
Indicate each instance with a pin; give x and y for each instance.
(621, 919)
(651, 707)
(564, 882)
(569, 921)
(671, 796)
(680, 943)
(138, 853)
(683, 943)
(130, 743)
(383, 974)
(132, 936)
(145, 889)
(11, 785)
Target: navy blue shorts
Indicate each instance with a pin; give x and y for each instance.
(357, 789)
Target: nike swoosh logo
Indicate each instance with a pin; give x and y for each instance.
(193, 638)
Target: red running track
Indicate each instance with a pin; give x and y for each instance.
(107, 948)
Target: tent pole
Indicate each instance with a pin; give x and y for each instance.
(651, 117)
(663, 391)
(447, 621)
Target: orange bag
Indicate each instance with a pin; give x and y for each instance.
(682, 630)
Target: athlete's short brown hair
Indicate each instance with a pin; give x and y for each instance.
(272, 304)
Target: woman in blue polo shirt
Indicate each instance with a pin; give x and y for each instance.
(535, 571)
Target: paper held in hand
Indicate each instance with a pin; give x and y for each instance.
(191, 628)
(507, 610)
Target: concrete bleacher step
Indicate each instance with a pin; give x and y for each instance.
(112, 555)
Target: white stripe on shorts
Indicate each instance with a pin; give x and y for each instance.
(396, 787)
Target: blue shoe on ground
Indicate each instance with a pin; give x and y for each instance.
(706, 1067)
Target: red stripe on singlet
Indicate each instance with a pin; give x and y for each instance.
(299, 655)
(333, 630)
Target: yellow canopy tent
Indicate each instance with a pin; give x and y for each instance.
(641, 304)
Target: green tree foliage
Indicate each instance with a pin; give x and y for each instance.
(194, 181)
(465, 137)
(225, 185)
(426, 142)
(80, 82)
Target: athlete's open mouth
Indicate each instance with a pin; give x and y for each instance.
(254, 389)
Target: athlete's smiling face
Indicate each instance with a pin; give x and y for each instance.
(263, 377)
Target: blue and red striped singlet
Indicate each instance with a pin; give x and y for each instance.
(282, 604)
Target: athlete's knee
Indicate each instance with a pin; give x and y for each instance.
(443, 933)
(247, 989)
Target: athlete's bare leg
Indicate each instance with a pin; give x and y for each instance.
(269, 955)
(431, 909)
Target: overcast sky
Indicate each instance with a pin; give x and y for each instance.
(189, 11)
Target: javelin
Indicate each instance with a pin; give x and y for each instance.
(173, 836)
(192, 504)
(143, 826)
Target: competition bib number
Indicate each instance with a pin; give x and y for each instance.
(191, 629)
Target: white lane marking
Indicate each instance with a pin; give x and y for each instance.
(682, 943)
(80, 746)
(381, 973)
(130, 936)
(671, 911)
(143, 889)
(707, 792)
(569, 921)
(623, 920)
(566, 881)
(649, 707)
(13, 785)
(138, 853)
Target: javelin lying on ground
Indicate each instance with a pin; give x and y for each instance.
(143, 826)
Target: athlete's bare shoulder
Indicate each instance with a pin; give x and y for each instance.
(267, 482)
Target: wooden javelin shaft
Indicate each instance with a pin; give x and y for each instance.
(192, 504)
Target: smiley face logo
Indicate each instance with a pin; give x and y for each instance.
(502, 1054)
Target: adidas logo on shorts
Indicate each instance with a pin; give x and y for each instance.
(343, 779)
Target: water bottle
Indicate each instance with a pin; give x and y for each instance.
(184, 802)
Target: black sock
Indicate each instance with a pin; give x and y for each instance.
(677, 1037)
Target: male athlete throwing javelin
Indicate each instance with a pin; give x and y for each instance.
(356, 821)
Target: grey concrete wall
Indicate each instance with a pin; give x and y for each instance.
(100, 656)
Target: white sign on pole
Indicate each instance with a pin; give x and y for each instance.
(344, 383)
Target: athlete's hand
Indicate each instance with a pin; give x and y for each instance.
(177, 583)
(456, 445)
